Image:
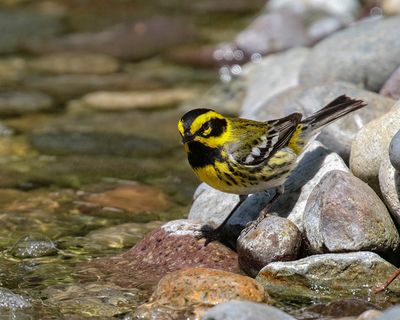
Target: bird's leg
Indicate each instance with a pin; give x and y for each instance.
(388, 281)
(278, 192)
(212, 234)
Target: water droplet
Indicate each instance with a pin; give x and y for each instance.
(256, 57)
(236, 69)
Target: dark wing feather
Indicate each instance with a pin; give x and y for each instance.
(276, 137)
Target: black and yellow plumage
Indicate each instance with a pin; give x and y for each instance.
(244, 156)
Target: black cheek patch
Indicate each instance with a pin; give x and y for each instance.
(218, 127)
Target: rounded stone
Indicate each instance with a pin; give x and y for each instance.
(271, 239)
(344, 214)
(33, 246)
(389, 182)
(394, 151)
(391, 88)
(22, 102)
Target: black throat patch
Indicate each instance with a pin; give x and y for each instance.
(200, 155)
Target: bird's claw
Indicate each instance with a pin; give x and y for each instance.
(209, 233)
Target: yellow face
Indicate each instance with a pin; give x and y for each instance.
(205, 126)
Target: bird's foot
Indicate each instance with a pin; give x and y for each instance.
(209, 233)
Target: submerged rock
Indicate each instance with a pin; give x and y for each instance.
(344, 214)
(371, 146)
(21, 102)
(327, 276)
(10, 301)
(172, 247)
(354, 55)
(245, 310)
(194, 290)
(33, 246)
(75, 63)
(132, 40)
(271, 239)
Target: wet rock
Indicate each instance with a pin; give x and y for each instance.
(132, 40)
(199, 57)
(12, 70)
(391, 7)
(389, 182)
(95, 300)
(348, 55)
(369, 315)
(172, 247)
(33, 246)
(271, 239)
(272, 32)
(349, 307)
(277, 73)
(75, 63)
(21, 102)
(245, 310)
(128, 100)
(67, 86)
(19, 26)
(338, 135)
(196, 289)
(390, 314)
(371, 146)
(344, 214)
(394, 151)
(391, 87)
(10, 300)
(326, 276)
(130, 198)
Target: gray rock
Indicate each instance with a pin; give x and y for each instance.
(10, 300)
(390, 314)
(359, 54)
(371, 146)
(271, 239)
(33, 246)
(338, 135)
(19, 26)
(276, 72)
(327, 276)
(389, 182)
(20, 102)
(391, 87)
(245, 310)
(394, 151)
(344, 214)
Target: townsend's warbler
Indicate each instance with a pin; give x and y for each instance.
(243, 156)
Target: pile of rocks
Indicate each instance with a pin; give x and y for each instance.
(333, 233)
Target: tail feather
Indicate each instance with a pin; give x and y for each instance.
(336, 109)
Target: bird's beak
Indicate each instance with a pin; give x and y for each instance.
(187, 138)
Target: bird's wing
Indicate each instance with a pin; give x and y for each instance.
(252, 151)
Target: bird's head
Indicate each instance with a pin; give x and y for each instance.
(205, 126)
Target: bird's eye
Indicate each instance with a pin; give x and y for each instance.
(206, 130)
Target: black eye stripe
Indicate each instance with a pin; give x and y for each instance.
(218, 126)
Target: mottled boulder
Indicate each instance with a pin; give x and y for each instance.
(172, 247)
(344, 214)
(276, 72)
(132, 40)
(197, 289)
(338, 135)
(389, 182)
(33, 246)
(394, 151)
(391, 88)
(372, 144)
(358, 54)
(245, 310)
(271, 239)
(327, 276)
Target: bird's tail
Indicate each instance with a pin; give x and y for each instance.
(334, 110)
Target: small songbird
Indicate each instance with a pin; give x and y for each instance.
(242, 156)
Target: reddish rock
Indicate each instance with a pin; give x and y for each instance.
(272, 239)
(197, 289)
(134, 40)
(391, 87)
(171, 247)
